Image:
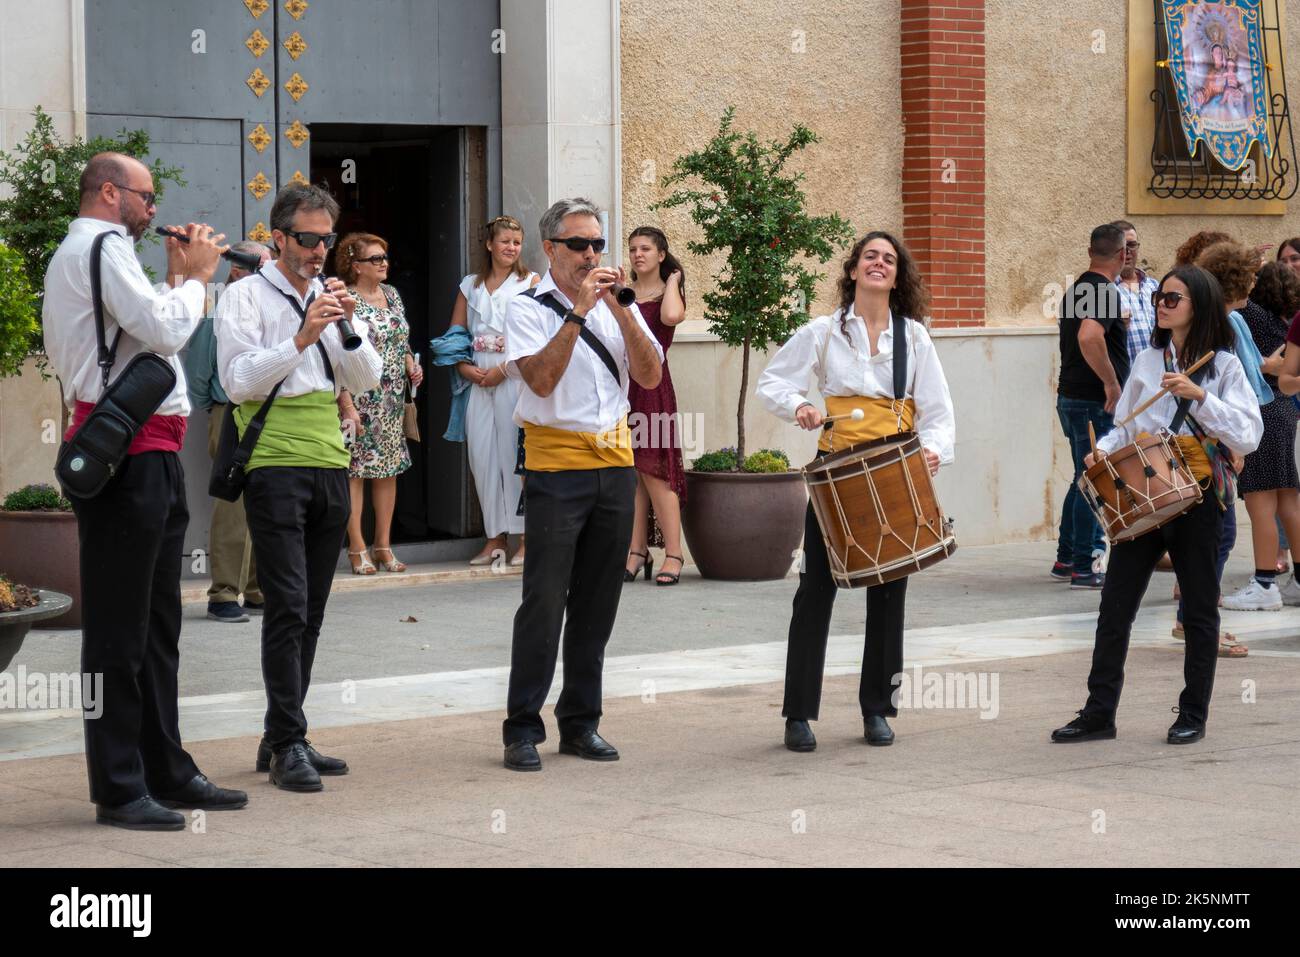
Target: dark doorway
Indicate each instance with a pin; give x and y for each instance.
(409, 184)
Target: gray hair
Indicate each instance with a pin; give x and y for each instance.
(250, 246)
(554, 217)
(296, 196)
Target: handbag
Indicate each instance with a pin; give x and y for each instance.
(90, 459)
(410, 420)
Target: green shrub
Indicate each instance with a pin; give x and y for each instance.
(766, 462)
(36, 498)
(18, 319)
(44, 173)
(724, 460)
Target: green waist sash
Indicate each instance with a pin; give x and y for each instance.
(300, 430)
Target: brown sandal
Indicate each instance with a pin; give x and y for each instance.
(1230, 647)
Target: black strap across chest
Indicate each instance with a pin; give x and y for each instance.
(590, 338)
(107, 354)
(900, 357)
(1185, 405)
(302, 315)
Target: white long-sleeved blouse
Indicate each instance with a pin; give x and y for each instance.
(1229, 412)
(851, 370)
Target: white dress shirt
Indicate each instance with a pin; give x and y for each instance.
(151, 321)
(1229, 412)
(255, 325)
(586, 398)
(851, 370)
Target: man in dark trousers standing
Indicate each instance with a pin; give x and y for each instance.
(581, 484)
(280, 325)
(1094, 365)
(132, 533)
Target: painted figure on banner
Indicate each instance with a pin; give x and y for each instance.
(1216, 60)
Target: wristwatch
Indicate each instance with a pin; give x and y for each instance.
(572, 316)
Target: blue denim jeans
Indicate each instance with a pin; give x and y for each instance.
(1080, 533)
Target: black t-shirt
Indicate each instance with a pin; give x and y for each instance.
(1092, 296)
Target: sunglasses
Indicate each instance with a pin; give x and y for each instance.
(579, 245)
(312, 240)
(375, 260)
(147, 198)
(1169, 300)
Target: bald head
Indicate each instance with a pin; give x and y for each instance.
(118, 189)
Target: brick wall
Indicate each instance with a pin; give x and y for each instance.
(942, 49)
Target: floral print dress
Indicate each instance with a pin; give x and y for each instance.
(379, 448)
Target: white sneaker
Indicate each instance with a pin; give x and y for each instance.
(1291, 592)
(1254, 597)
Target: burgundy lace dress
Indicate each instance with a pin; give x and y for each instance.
(656, 434)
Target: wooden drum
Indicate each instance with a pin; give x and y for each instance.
(878, 514)
(1140, 487)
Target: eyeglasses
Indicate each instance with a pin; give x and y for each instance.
(1170, 300)
(579, 245)
(375, 260)
(312, 240)
(1132, 245)
(148, 198)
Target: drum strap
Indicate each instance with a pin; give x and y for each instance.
(1223, 478)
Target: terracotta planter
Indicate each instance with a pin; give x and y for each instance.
(743, 527)
(15, 624)
(41, 550)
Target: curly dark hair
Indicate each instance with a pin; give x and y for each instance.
(909, 297)
(1233, 265)
(1196, 244)
(1277, 289)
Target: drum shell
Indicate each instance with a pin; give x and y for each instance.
(1138, 502)
(878, 513)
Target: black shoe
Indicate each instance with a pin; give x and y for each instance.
(523, 756)
(1185, 731)
(291, 770)
(1093, 582)
(591, 746)
(1061, 572)
(226, 611)
(877, 731)
(142, 814)
(254, 607)
(798, 736)
(322, 764)
(1085, 728)
(646, 566)
(203, 794)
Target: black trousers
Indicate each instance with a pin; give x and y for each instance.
(579, 526)
(1192, 541)
(297, 518)
(132, 541)
(810, 626)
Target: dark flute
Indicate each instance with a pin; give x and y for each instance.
(249, 261)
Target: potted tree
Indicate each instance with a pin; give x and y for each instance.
(744, 514)
(38, 541)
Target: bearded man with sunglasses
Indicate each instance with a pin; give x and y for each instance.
(581, 487)
(281, 326)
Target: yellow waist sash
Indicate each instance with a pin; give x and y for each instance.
(881, 417)
(548, 449)
(1197, 460)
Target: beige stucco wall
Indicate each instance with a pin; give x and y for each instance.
(1056, 127)
(685, 61)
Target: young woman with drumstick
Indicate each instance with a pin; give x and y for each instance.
(1223, 418)
(849, 354)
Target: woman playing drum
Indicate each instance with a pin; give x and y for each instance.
(1223, 418)
(850, 354)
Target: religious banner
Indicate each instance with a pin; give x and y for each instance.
(1216, 59)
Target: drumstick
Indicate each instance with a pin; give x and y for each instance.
(1164, 392)
(1092, 438)
(857, 415)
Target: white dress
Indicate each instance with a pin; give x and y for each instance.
(490, 430)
